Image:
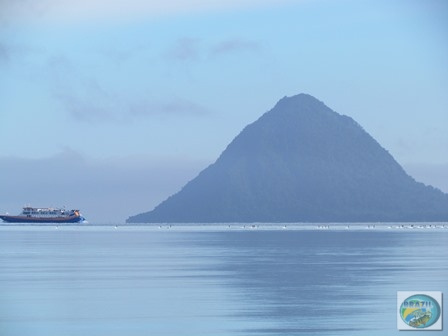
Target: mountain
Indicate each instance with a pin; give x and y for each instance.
(302, 162)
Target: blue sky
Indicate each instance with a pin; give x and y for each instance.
(113, 106)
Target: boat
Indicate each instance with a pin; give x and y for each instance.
(45, 215)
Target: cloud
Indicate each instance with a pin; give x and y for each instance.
(10, 52)
(86, 110)
(61, 65)
(80, 10)
(96, 105)
(85, 99)
(173, 107)
(184, 49)
(4, 53)
(234, 45)
(107, 191)
(193, 49)
(88, 102)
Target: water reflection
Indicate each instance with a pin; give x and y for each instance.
(330, 283)
(145, 281)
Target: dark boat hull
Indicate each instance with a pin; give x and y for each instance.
(25, 219)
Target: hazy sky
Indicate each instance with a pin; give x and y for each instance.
(112, 106)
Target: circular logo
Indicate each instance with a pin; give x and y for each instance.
(420, 311)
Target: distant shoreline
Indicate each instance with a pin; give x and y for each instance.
(213, 227)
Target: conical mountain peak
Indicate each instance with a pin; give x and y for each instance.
(302, 162)
(300, 100)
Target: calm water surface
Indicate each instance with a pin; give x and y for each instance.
(105, 280)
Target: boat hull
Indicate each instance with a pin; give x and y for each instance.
(25, 219)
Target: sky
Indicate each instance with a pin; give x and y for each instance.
(112, 106)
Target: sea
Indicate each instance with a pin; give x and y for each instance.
(215, 279)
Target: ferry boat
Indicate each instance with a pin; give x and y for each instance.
(45, 215)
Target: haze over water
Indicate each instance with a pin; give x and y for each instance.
(213, 280)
